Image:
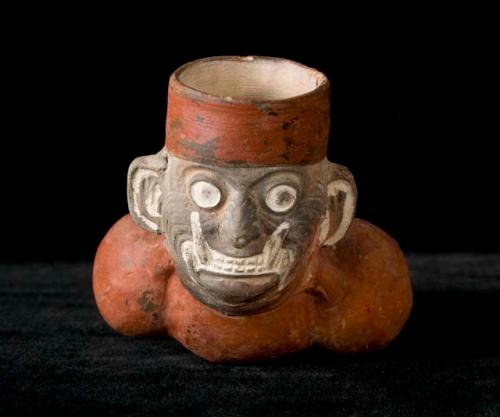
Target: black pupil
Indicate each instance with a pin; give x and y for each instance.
(284, 197)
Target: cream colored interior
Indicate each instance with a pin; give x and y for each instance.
(251, 78)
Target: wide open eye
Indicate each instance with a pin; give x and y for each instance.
(205, 195)
(281, 198)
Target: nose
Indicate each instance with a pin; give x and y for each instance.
(243, 240)
(240, 222)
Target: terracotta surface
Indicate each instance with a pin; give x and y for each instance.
(241, 241)
(206, 128)
(357, 298)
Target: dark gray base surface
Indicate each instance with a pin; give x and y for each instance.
(58, 356)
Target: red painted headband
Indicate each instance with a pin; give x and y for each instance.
(252, 110)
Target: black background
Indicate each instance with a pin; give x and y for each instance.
(414, 116)
(411, 118)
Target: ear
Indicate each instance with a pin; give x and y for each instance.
(341, 206)
(144, 190)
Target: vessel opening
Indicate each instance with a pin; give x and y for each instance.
(250, 78)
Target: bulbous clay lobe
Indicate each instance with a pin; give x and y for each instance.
(369, 274)
(358, 298)
(130, 273)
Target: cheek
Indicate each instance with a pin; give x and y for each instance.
(175, 205)
(305, 220)
(269, 222)
(176, 214)
(210, 223)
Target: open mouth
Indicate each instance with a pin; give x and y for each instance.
(237, 279)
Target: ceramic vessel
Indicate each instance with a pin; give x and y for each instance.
(241, 240)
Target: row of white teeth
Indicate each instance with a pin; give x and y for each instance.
(251, 265)
(273, 259)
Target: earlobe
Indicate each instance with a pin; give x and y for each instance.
(341, 207)
(144, 190)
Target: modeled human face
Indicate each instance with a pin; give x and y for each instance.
(238, 235)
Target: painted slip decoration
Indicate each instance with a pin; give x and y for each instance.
(241, 241)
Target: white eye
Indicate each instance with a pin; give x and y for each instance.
(205, 195)
(281, 198)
